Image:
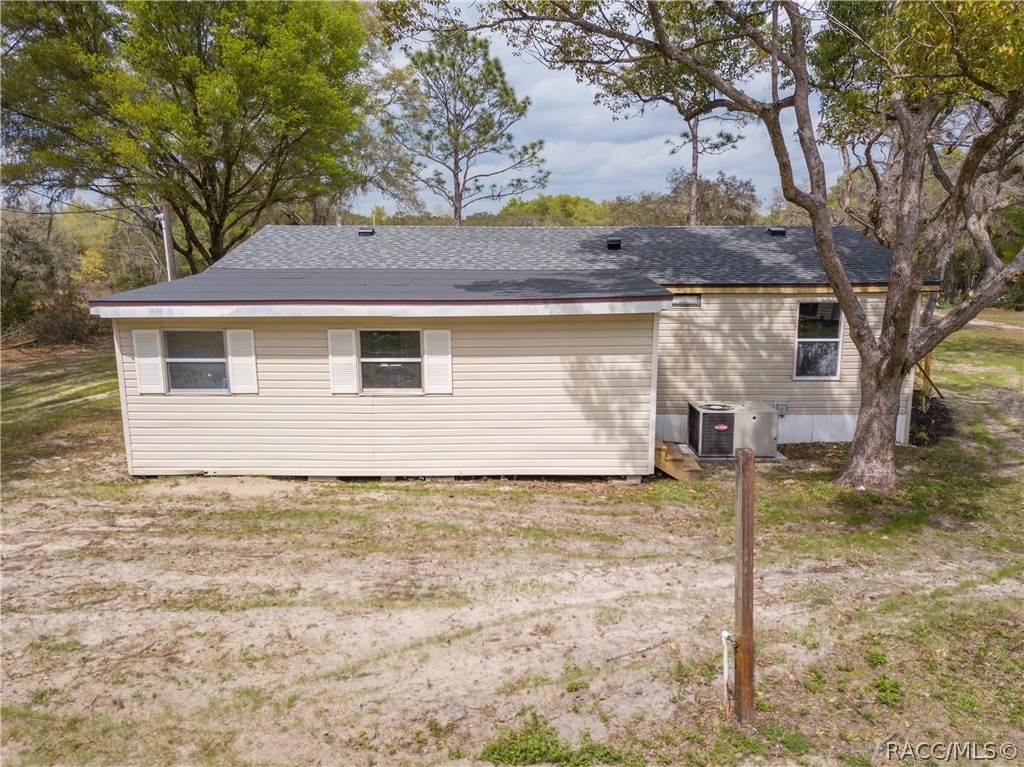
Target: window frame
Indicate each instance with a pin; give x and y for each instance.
(360, 359)
(166, 359)
(838, 340)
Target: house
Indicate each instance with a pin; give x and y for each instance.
(417, 351)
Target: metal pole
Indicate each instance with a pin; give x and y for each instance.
(165, 224)
(744, 677)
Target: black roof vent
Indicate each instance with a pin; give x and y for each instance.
(366, 231)
(776, 231)
(614, 243)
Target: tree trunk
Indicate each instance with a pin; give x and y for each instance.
(217, 249)
(694, 161)
(929, 309)
(457, 188)
(872, 461)
(457, 204)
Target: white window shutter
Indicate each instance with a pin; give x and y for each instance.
(149, 365)
(242, 362)
(437, 362)
(344, 363)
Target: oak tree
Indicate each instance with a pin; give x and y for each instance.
(901, 83)
(221, 109)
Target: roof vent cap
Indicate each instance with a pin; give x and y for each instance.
(776, 231)
(614, 243)
(366, 231)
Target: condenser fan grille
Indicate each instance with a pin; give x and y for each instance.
(711, 433)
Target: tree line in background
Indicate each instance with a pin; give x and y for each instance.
(725, 201)
(57, 256)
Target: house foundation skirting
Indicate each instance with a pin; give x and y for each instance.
(819, 427)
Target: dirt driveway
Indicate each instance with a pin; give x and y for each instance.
(316, 623)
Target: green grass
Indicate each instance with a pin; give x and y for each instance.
(875, 658)
(976, 360)
(574, 678)
(535, 741)
(34, 385)
(950, 483)
(888, 692)
(46, 738)
(950, 487)
(214, 599)
(43, 411)
(34, 435)
(1002, 316)
(795, 743)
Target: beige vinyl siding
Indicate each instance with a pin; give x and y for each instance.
(560, 395)
(741, 347)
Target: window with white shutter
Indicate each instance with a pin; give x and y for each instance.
(195, 361)
(390, 361)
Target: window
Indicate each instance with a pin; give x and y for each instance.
(177, 361)
(818, 334)
(195, 360)
(390, 359)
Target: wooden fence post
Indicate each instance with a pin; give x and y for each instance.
(744, 664)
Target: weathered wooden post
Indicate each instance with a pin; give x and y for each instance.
(744, 663)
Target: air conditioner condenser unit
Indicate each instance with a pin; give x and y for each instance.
(717, 429)
(712, 429)
(757, 427)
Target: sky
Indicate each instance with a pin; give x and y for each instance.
(593, 153)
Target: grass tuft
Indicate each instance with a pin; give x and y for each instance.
(535, 741)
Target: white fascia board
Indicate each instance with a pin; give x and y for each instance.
(214, 311)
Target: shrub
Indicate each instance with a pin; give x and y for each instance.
(63, 319)
(16, 307)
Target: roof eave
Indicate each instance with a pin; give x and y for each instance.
(424, 309)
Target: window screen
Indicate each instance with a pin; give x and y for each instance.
(195, 360)
(819, 328)
(390, 359)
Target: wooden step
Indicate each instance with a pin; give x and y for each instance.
(677, 463)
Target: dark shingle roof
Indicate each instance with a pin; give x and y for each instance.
(227, 285)
(705, 255)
